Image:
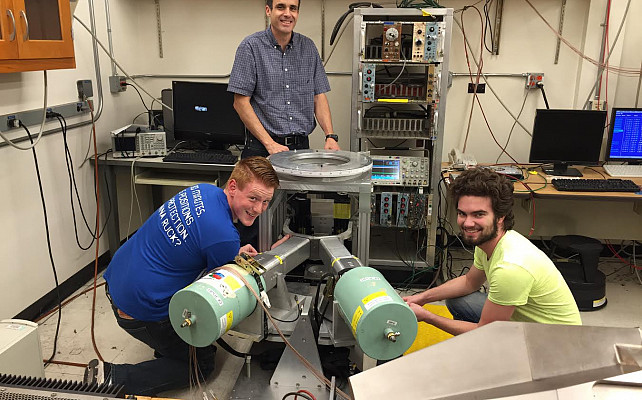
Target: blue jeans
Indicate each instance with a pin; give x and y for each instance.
(467, 308)
(170, 370)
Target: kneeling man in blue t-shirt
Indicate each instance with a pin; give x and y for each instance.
(191, 233)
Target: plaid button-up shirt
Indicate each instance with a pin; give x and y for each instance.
(281, 84)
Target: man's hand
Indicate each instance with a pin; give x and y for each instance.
(275, 147)
(416, 299)
(421, 313)
(280, 241)
(331, 144)
(251, 251)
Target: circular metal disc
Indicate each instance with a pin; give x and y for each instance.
(320, 163)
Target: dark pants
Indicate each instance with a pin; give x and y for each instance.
(255, 148)
(171, 368)
(250, 234)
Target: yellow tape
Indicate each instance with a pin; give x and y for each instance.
(279, 258)
(425, 12)
(355, 319)
(341, 211)
(230, 319)
(392, 100)
(340, 258)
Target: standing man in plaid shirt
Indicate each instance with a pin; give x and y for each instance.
(279, 86)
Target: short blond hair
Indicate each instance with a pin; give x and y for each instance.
(254, 168)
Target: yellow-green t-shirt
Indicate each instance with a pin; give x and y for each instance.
(521, 275)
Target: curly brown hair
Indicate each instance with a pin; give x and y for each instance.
(254, 168)
(484, 182)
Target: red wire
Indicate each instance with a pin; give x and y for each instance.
(476, 82)
(306, 392)
(610, 246)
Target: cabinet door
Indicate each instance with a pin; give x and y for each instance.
(8, 42)
(44, 28)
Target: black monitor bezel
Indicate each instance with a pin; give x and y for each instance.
(607, 156)
(545, 160)
(217, 138)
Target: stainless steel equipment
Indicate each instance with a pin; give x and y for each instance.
(504, 359)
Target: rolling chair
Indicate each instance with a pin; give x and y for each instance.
(587, 283)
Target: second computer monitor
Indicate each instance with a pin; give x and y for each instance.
(625, 135)
(204, 112)
(567, 137)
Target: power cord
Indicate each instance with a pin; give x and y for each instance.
(73, 187)
(51, 260)
(42, 125)
(139, 95)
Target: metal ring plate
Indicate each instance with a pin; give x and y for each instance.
(320, 163)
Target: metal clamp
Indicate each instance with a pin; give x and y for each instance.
(249, 264)
(12, 37)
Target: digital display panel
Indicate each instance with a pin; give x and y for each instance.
(386, 170)
(625, 135)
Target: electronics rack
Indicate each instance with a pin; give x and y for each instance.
(399, 82)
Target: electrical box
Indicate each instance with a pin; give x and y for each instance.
(533, 78)
(20, 351)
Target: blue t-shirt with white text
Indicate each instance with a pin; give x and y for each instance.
(191, 232)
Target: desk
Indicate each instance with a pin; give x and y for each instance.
(536, 183)
(157, 173)
(603, 215)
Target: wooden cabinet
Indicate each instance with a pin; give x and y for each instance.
(35, 35)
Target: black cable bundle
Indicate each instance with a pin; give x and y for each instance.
(351, 7)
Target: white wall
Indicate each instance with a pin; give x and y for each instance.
(201, 36)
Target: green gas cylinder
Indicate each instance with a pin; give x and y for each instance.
(383, 324)
(206, 309)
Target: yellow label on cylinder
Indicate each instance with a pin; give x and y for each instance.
(232, 282)
(355, 319)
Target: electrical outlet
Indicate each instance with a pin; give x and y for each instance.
(481, 88)
(533, 78)
(117, 84)
(13, 122)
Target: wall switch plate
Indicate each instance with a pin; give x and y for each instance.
(481, 87)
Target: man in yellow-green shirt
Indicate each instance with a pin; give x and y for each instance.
(523, 283)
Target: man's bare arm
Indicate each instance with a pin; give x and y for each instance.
(253, 124)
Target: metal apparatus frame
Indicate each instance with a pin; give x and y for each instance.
(337, 180)
(359, 140)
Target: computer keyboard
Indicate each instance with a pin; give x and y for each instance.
(595, 185)
(624, 170)
(201, 157)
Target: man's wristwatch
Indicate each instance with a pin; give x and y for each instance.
(332, 136)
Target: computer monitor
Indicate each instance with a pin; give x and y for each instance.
(625, 135)
(567, 137)
(204, 112)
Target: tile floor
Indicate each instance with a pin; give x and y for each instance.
(624, 293)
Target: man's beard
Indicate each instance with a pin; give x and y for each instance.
(483, 238)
